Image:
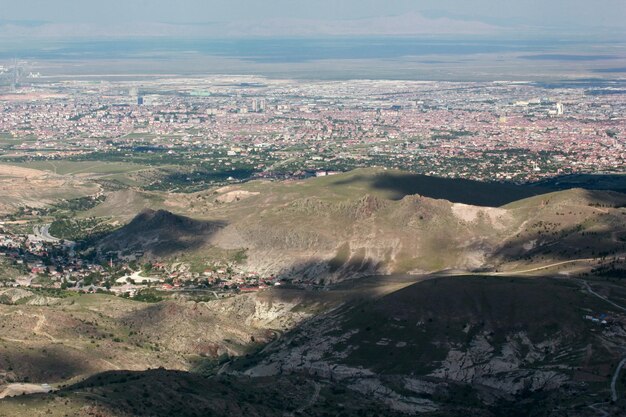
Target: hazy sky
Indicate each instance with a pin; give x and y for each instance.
(548, 15)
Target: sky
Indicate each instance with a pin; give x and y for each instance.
(311, 17)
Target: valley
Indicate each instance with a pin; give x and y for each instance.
(336, 287)
(312, 209)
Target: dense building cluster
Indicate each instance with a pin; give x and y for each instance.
(486, 131)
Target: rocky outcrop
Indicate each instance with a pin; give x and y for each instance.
(509, 368)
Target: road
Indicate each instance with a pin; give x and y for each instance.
(539, 268)
(614, 379)
(621, 364)
(43, 233)
(591, 291)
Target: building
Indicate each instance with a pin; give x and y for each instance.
(559, 109)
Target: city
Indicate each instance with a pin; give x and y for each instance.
(242, 128)
(313, 209)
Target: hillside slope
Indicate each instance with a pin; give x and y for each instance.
(455, 346)
(345, 226)
(504, 339)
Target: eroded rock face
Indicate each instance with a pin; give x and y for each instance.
(403, 403)
(509, 368)
(315, 353)
(495, 367)
(258, 312)
(14, 296)
(318, 357)
(215, 328)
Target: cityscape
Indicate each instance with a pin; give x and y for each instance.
(255, 127)
(313, 209)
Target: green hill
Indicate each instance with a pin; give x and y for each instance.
(361, 223)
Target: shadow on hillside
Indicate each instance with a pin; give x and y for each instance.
(160, 392)
(429, 316)
(495, 304)
(325, 272)
(49, 364)
(606, 198)
(606, 182)
(161, 233)
(432, 315)
(447, 305)
(489, 194)
(557, 246)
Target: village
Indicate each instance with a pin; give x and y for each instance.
(47, 262)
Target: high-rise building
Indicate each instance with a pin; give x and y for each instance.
(16, 76)
(559, 109)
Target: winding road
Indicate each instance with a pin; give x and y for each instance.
(614, 379)
(621, 364)
(591, 291)
(43, 233)
(539, 268)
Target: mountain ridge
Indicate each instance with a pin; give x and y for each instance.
(359, 228)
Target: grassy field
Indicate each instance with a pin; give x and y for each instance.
(8, 272)
(64, 167)
(6, 139)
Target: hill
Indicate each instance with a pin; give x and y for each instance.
(160, 233)
(397, 185)
(448, 346)
(344, 226)
(387, 333)
(503, 340)
(55, 340)
(606, 182)
(161, 392)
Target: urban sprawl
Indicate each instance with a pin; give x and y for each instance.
(226, 129)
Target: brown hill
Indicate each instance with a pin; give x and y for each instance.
(329, 229)
(507, 339)
(160, 233)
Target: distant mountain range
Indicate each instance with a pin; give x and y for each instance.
(414, 23)
(405, 24)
